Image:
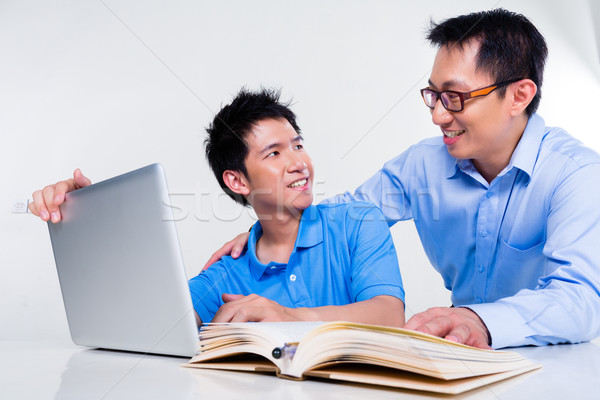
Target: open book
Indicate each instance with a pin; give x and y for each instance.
(354, 352)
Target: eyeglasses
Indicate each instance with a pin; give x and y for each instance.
(455, 101)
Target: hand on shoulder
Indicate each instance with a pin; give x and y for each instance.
(234, 248)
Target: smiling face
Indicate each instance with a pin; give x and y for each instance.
(279, 171)
(485, 130)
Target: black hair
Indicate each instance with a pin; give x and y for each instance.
(226, 147)
(510, 46)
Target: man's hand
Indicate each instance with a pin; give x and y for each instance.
(459, 324)
(233, 247)
(253, 308)
(46, 201)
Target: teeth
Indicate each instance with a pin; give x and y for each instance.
(453, 134)
(298, 183)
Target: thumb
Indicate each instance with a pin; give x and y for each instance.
(80, 179)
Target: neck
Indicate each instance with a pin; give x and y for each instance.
(278, 238)
(491, 167)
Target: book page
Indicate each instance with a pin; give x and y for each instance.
(323, 343)
(374, 375)
(401, 349)
(223, 340)
(275, 333)
(285, 332)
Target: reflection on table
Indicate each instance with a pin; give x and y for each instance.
(40, 370)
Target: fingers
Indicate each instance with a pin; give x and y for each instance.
(469, 335)
(421, 318)
(251, 308)
(37, 206)
(233, 247)
(247, 313)
(217, 255)
(52, 197)
(458, 333)
(460, 325)
(60, 191)
(48, 196)
(46, 202)
(231, 297)
(239, 243)
(478, 340)
(438, 326)
(250, 314)
(233, 303)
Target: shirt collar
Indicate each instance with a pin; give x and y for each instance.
(524, 157)
(526, 153)
(455, 165)
(310, 233)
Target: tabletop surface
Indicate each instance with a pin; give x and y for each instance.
(50, 370)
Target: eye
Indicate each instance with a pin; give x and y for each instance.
(298, 147)
(272, 154)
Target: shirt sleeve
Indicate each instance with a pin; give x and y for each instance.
(206, 297)
(375, 270)
(386, 189)
(565, 305)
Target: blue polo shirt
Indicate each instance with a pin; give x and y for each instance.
(343, 254)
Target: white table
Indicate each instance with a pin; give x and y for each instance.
(47, 370)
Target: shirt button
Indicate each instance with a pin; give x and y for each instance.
(292, 277)
(489, 194)
(483, 233)
(481, 268)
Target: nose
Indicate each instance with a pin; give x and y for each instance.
(439, 115)
(296, 163)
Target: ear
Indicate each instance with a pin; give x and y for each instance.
(523, 92)
(237, 182)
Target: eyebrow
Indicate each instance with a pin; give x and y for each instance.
(279, 144)
(450, 83)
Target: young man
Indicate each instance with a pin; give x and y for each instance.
(506, 208)
(303, 262)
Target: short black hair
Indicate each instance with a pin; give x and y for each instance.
(511, 47)
(226, 147)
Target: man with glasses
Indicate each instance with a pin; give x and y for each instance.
(507, 209)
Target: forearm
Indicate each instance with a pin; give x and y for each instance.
(564, 312)
(379, 310)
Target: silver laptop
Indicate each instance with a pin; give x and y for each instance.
(120, 268)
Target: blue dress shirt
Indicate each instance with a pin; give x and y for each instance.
(523, 251)
(343, 253)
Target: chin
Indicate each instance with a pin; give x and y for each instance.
(458, 154)
(303, 203)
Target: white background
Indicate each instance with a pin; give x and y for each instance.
(110, 86)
